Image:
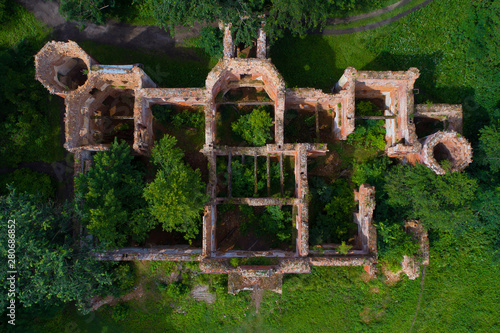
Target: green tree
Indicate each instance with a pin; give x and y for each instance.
(295, 16)
(176, 197)
(111, 198)
(27, 181)
(26, 113)
(86, 10)
(489, 144)
(211, 41)
(51, 267)
(439, 202)
(254, 127)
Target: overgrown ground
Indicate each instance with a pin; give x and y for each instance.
(460, 291)
(458, 296)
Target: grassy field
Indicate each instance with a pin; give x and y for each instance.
(378, 18)
(459, 295)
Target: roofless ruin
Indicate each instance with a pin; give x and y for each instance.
(104, 102)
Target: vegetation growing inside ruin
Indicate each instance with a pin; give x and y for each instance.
(176, 197)
(264, 228)
(331, 209)
(243, 177)
(254, 127)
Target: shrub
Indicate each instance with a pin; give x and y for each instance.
(370, 135)
(120, 312)
(344, 248)
(27, 181)
(85, 10)
(394, 244)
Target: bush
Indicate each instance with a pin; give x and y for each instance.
(123, 278)
(344, 248)
(277, 221)
(85, 10)
(120, 312)
(394, 243)
(335, 204)
(27, 181)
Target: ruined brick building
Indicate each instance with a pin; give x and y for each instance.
(106, 101)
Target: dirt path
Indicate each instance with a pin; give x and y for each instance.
(419, 298)
(349, 19)
(376, 24)
(155, 38)
(115, 33)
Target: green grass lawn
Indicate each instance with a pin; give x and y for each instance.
(378, 18)
(459, 295)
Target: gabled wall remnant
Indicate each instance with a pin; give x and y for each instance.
(100, 97)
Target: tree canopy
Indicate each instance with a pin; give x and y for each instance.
(246, 17)
(51, 269)
(439, 202)
(176, 197)
(111, 198)
(254, 127)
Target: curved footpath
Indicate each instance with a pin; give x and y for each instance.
(155, 38)
(376, 24)
(354, 18)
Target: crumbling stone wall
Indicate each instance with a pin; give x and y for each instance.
(450, 114)
(396, 88)
(164, 253)
(53, 57)
(456, 147)
(367, 234)
(411, 265)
